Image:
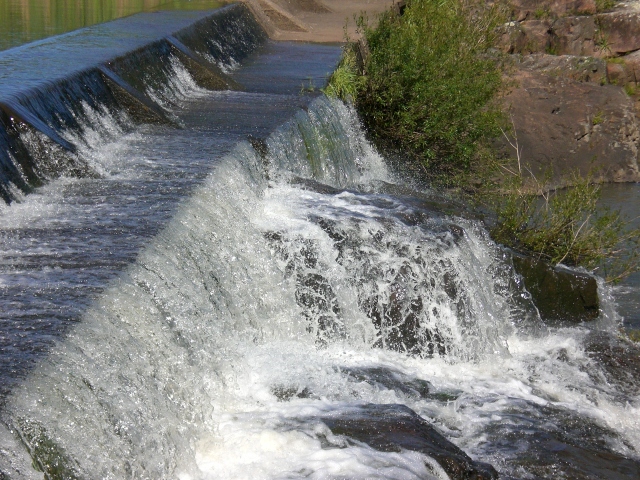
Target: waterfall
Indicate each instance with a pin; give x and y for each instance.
(254, 283)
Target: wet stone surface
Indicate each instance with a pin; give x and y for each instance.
(393, 428)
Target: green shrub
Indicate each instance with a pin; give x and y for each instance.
(567, 226)
(429, 83)
(427, 89)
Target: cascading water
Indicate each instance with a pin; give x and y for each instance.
(289, 296)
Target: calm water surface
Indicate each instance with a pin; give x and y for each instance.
(23, 21)
(626, 197)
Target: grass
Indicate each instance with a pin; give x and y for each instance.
(541, 13)
(345, 81)
(634, 335)
(567, 226)
(604, 5)
(598, 118)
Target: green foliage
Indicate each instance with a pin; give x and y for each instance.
(427, 88)
(566, 226)
(309, 87)
(429, 83)
(598, 118)
(634, 335)
(542, 13)
(601, 40)
(631, 89)
(46, 454)
(345, 81)
(604, 5)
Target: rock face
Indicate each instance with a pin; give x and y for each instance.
(528, 9)
(620, 31)
(564, 126)
(392, 428)
(578, 68)
(603, 35)
(625, 70)
(575, 36)
(576, 100)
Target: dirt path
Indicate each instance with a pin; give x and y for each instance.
(313, 20)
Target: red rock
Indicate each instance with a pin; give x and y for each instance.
(619, 31)
(624, 70)
(575, 36)
(536, 35)
(530, 9)
(580, 69)
(564, 126)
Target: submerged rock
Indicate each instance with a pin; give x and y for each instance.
(549, 441)
(619, 360)
(385, 378)
(392, 428)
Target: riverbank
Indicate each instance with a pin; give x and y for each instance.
(324, 21)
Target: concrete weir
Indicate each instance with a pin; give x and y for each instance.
(115, 141)
(44, 85)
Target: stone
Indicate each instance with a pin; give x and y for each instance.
(393, 428)
(536, 36)
(624, 70)
(580, 69)
(575, 36)
(529, 9)
(564, 126)
(619, 31)
(524, 37)
(562, 296)
(618, 358)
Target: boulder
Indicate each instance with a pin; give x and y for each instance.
(624, 70)
(575, 36)
(619, 31)
(580, 69)
(562, 296)
(524, 37)
(618, 358)
(536, 35)
(564, 126)
(393, 428)
(529, 9)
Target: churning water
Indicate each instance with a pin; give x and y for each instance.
(223, 287)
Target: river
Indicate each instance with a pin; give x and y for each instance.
(240, 288)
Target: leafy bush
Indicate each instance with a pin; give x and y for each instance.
(429, 83)
(566, 226)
